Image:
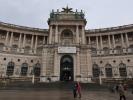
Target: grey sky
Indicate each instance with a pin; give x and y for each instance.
(99, 13)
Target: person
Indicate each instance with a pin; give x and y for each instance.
(79, 89)
(121, 92)
(74, 90)
(117, 87)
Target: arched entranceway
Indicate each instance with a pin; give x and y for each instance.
(66, 68)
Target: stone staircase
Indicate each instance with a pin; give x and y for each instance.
(52, 85)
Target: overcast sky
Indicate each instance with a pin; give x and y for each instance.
(99, 13)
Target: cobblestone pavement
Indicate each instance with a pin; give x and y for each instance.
(58, 95)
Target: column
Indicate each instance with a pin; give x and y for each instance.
(89, 65)
(101, 42)
(122, 41)
(78, 63)
(113, 41)
(127, 41)
(24, 40)
(83, 35)
(32, 40)
(89, 40)
(11, 39)
(50, 35)
(36, 42)
(109, 41)
(56, 34)
(97, 44)
(7, 36)
(19, 41)
(44, 40)
(77, 34)
(55, 63)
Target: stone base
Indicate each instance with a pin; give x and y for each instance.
(85, 80)
(49, 79)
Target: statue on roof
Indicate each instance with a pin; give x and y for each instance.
(67, 9)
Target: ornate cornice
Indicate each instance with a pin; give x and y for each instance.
(22, 27)
(110, 29)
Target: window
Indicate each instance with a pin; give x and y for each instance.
(108, 70)
(10, 68)
(24, 69)
(96, 70)
(122, 70)
(37, 69)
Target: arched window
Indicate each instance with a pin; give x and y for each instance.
(37, 69)
(119, 49)
(39, 50)
(14, 48)
(1, 46)
(26, 49)
(10, 68)
(106, 50)
(131, 48)
(122, 70)
(24, 69)
(66, 37)
(108, 70)
(96, 70)
(94, 51)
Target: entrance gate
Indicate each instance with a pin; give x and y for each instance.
(66, 68)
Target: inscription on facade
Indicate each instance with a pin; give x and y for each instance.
(66, 49)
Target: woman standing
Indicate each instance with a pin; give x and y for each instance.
(79, 89)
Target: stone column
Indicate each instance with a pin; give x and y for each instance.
(36, 42)
(19, 41)
(77, 34)
(113, 41)
(11, 39)
(32, 40)
(127, 41)
(101, 42)
(83, 35)
(78, 64)
(89, 65)
(44, 40)
(97, 44)
(109, 41)
(7, 36)
(44, 65)
(56, 67)
(122, 41)
(24, 39)
(56, 34)
(50, 35)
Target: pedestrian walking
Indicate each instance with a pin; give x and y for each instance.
(121, 92)
(75, 90)
(79, 89)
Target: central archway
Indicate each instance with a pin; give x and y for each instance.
(66, 68)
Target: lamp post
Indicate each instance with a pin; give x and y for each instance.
(33, 76)
(100, 76)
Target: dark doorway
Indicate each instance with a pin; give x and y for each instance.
(66, 68)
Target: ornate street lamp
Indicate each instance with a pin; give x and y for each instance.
(33, 76)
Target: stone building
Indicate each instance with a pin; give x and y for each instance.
(66, 51)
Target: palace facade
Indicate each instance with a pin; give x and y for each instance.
(66, 51)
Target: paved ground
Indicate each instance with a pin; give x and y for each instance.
(58, 95)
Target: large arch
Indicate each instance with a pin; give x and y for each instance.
(66, 68)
